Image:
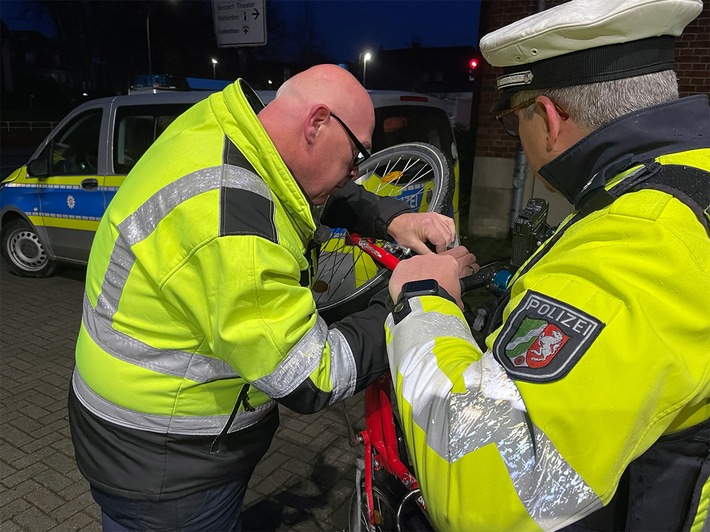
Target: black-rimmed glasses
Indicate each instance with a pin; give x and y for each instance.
(363, 154)
(510, 121)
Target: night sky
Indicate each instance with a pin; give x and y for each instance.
(342, 28)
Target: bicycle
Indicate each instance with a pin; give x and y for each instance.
(351, 269)
(347, 277)
(389, 493)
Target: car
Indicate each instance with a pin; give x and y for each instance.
(50, 208)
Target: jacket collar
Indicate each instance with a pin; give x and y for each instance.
(628, 141)
(236, 108)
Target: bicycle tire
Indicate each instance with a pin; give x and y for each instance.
(385, 513)
(415, 172)
(389, 496)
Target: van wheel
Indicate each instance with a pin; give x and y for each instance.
(23, 250)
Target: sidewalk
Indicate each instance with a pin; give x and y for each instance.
(304, 482)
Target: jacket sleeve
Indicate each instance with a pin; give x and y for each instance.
(589, 369)
(472, 444)
(357, 355)
(258, 319)
(360, 211)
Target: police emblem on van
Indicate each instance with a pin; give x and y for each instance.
(544, 338)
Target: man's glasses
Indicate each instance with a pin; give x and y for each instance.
(510, 121)
(363, 154)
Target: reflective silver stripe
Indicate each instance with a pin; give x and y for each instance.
(188, 425)
(137, 227)
(343, 371)
(491, 412)
(300, 362)
(198, 368)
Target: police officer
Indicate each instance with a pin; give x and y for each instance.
(198, 316)
(590, 405)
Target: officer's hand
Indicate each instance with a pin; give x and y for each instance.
(445, 268)
(414, 230)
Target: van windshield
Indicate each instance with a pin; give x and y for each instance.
(410, 123)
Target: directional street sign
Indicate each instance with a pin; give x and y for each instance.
(239, 22)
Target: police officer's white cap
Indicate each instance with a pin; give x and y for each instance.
(586, 41)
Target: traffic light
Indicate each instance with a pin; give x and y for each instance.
(472, 67)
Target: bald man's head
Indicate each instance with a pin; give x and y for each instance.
(328, 83)
(314, 145)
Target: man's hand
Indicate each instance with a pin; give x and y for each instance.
(446, 268)
(414, 230)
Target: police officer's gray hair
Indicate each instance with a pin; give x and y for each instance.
(597, 104)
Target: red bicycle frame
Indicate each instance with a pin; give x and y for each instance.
(379, 436)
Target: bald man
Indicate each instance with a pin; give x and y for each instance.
(198, 314)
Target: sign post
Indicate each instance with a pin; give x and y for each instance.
(239, 22)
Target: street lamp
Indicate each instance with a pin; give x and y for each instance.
(214, 68)
(365, 59)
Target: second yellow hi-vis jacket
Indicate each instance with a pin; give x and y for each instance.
(603, 356)
(199, 284)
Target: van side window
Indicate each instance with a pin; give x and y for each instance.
(411, 123)
(136, 128)
(75, 149)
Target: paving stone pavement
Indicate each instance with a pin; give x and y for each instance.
(304, 483)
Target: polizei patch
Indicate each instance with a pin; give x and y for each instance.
(544, 338)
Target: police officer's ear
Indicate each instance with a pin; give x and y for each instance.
(317, 116)
(553, 121)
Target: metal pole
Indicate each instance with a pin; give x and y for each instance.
(519, 174)
(147, 34)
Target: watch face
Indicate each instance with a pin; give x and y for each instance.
(420, 288)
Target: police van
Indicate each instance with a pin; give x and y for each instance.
(50, 208)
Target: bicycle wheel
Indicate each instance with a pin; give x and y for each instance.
(417, 173)
(385, 514)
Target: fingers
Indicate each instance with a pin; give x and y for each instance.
(443, 268)
(414, 230)
(466, 260)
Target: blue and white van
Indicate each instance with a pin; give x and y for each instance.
(50, 208)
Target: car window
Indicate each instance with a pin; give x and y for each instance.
(74, 149)
(136, 128)
(410, 123)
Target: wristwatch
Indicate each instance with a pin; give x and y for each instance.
(424, 287)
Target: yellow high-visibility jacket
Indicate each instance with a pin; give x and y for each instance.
(199, 284)
(604, 351)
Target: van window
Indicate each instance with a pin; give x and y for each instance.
(412, 123)
(75, 149)
(136, 127)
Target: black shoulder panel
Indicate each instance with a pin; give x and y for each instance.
(688, 184)
(244, 212)
(234, 157)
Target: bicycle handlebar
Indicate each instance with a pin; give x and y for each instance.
(494, 276)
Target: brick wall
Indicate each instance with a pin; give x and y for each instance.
(692, 55)
(692, 66)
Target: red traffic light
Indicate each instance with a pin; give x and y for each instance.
(473, 63)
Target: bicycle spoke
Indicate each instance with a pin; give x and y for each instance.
(416, 173)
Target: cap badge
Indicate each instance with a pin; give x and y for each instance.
(519, 78)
